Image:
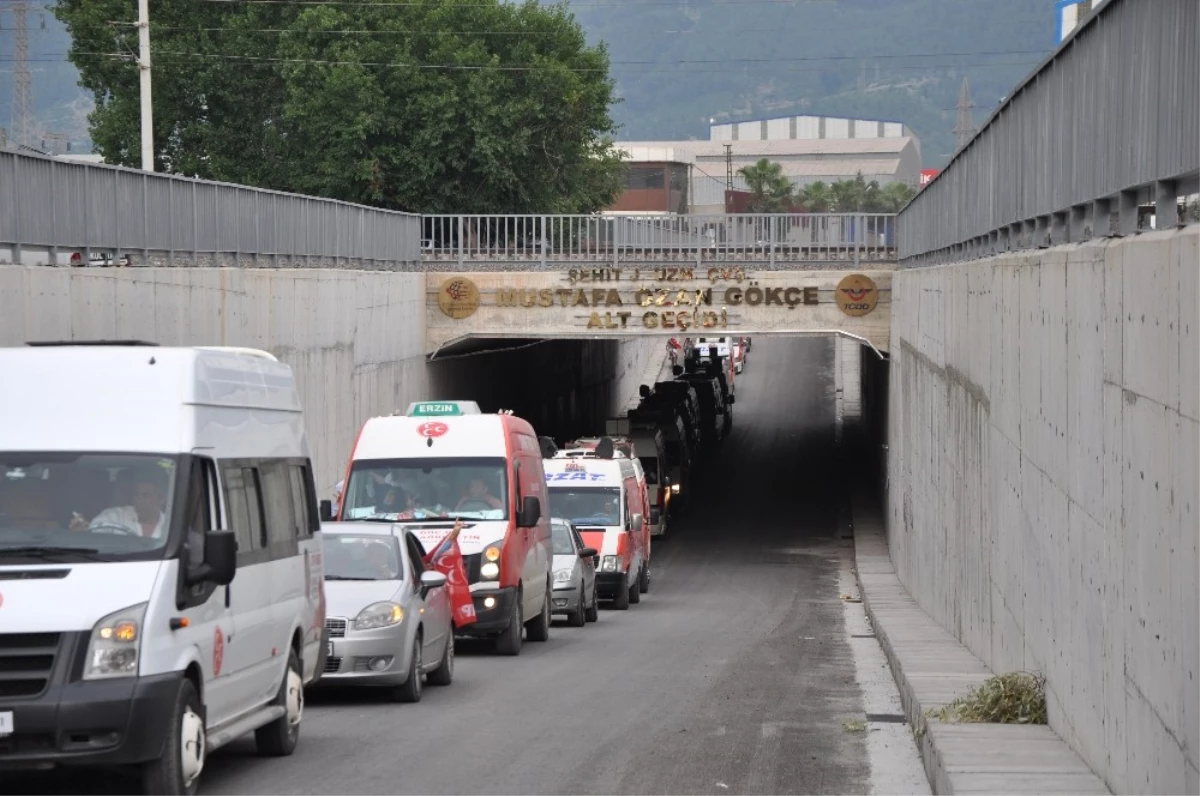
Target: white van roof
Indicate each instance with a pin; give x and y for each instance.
(129, 397)
(458, 436)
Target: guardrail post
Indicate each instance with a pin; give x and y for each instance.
(171, 228)
(145, 219)
(542, 238)
(87, 216)
(16, 206)
(54, 236)
(461, 240)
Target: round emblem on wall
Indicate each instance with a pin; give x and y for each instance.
(857, 295)
(458, 297)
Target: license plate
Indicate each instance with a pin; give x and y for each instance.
(329, 649)
(6, 723)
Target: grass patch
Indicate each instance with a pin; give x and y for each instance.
(1014, 698)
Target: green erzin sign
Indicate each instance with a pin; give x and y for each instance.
(434, 410)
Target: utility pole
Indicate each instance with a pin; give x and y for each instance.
(21, 102)
(964, 129)
(144, 70)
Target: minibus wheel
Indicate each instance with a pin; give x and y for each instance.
(509, 643)
(279, 738)
(177, 772)
(538, 628)
(621, 598)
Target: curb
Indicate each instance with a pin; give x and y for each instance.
(931, 668)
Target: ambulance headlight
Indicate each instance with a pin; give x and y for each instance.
(489, 571)
(610, 564)
(115, 644)
(377, 615)
(562, 576)
(674, 489)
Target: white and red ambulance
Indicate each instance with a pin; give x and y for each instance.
(624, 446)
(445, 460)
(598, 490)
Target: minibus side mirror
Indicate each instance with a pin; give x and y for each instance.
(326, 509)
(220, 559)
(588, 552)
(655, 516)
(637, 523)
(531, 512)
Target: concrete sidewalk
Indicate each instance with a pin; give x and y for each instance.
(932, 668)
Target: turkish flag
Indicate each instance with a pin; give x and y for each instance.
(447, 559)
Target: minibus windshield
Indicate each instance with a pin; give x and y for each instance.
(427, 489)
(586, 506)
(85, 506)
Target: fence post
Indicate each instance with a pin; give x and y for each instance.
(461, 241)
(16, 206)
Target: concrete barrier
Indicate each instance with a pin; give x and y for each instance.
(1044, 432)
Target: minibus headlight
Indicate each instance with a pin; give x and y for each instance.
(675, 489)
(377, 615)
(115, 644)
(489, 571)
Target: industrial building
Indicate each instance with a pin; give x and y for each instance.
(809, 148)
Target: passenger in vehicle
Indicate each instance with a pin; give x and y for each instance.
(381, 564)
(477, 492)
(145, 517)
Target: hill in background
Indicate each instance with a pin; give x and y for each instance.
(680, 63)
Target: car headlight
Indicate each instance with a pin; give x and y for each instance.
(675, 488)
(376, 615)
(489, 571)
(115, 644)
(562, 576)
(610, 564)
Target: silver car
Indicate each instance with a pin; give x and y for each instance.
(388, 616)
(574, 575)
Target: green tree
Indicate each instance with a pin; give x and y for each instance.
(429, 107)
(770, 190)
(816, 197)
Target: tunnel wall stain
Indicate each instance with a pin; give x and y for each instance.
(1044, 432)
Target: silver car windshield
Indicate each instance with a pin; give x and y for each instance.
(361, 557)
(560, 534)
(85, 506)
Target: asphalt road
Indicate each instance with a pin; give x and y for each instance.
(735, 674)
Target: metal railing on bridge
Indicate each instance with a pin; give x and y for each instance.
(1108, 123)
(775, 240)
(52, 208)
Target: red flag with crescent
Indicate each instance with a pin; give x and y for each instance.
(447, 558)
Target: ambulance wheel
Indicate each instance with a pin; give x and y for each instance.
(279, 738)
(592, 614)
(510, 642)
(635, 594)
(410, 690)
(644, 580)
(444, 673)
(538, 628)
(178, 770)
(576, 618)
(621, 599)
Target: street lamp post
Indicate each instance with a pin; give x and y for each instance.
(144, 70)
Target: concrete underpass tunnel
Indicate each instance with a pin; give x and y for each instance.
(568, 388)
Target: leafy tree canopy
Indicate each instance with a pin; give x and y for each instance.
(427, 107)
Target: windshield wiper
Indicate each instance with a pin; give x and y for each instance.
(345, 577)
(38, 551)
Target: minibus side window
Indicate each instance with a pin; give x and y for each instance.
(245, 509)
(199, 512)
(282, 523)
(303, 499)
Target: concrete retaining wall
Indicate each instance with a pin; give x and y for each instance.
(355, 340)
(1044, 431)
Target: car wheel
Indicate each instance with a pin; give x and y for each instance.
(576, 618)
(538, 628)
(410, 691)
(510, 642)
(177, 772)
(592, 614)
(444, 673)
(279, 738)
(621, 602)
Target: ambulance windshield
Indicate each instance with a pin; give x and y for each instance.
(586, 506)
(387, 490)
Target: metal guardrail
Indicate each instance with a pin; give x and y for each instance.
(771, 239)
(54, 207)
(1106, 123)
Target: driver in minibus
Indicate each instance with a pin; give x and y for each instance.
(144, 518)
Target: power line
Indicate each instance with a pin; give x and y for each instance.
(614, 66)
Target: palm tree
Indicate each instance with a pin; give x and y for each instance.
(770, 190)
(895, 195)
(816, 197)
